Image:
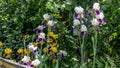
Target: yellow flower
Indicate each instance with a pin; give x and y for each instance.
(54, 61)
(35, 44)
(51, 34)
(6, 56)
(8, 51)
(20, 50)
(1, 44)
(50, 40)
(45, 50)
(25, 36)
(55, 36)
(54, 49)
(53, 44)
(25, 51)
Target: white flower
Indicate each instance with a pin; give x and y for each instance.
(94, 22)
(46, 16)
(63, 52)
(34, 48)
(40, 27)
(26, 59)
(83, 28)
(50, 23)
(31, 47)
(41, 35)
(76, 22)
(100, 16)
(79, 9)
(36, 62)
(82, 16)
(96, 6)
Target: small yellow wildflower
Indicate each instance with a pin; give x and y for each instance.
(6, 56)
(45, 50)
(20, 50)
(25, 51)
(8, 51)
(53, 44)
(25, 36)
(54, 61)
(54, 49)
(35, 44)
(50, 40)
(1, 44)
(55, 36)
(51, 34)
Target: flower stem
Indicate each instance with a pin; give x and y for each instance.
(82, 52)
(41, 58)
(1, 52)
(94, 48)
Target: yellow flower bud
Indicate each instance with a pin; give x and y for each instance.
(45, 50)
(25, 51)
(6, 56)
(25, 36)
(8, 51)
(20, 50)
(54, 61)
(51, 34)
(35, 44)
(55, 36)
(50, 40)
(53, 44)
(54, 49)
(1, 44)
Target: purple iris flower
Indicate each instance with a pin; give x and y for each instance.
(52, 27)
(44, 25)
(63, 56)
(97, 12)
(82, 33)
(76, 16)
(102, 21)
(90, 26)
(38, 31)
(39, 40)
(31, 65)
(35, 50)
(85, 14)
(19, 62)
(27, 63)
(74, 27)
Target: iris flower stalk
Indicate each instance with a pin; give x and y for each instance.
(94, 40)
(83, 30)
(82, 52)
(82, 48)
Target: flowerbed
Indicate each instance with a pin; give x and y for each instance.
(63, 38)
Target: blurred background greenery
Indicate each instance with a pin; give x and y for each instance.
(21, 17)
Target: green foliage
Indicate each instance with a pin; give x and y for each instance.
(21, 17)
